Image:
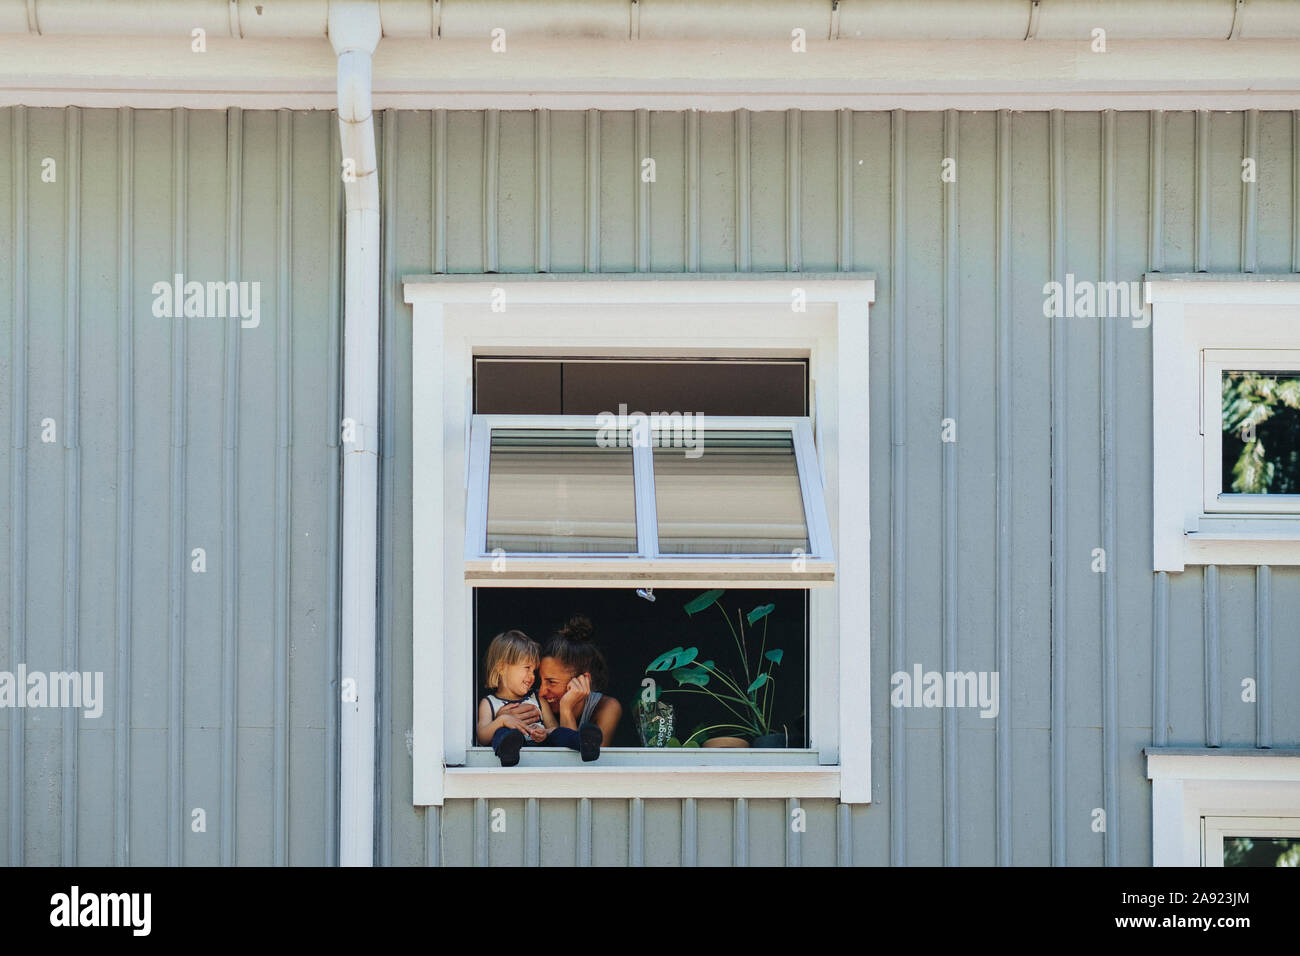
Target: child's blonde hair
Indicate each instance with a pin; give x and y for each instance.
(510, 647)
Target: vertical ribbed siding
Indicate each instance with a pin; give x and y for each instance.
(176, 560)
(692, 192)
(542, 211)
(743, 242)
(230, 499)
(1213, 713)
(750, 189)
(283, 512)
(1005, 440)
(147, 411)
(1060, 547)
(1263, 657)
(387, 133)
(1201, 224)
(334, 496)
(1077, 216)
(125, 523)
(18, 412)
(948, 507)
(1156, 192)
(1115, 563)
(71, 472)
(898, 481)
(1250, 196)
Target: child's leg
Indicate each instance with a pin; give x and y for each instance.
(505, 744)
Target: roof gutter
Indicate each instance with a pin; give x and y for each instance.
(354, 32)
(675, 20)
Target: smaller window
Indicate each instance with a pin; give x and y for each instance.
(1226, 419)
(646, 499)
(1252, 412)
(1239, 841)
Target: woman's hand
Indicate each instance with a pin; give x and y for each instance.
(514, 723)
(576, 696)
(527, 713)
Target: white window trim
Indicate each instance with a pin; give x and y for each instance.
(635, 315)
(1189, 788)
(1192, 314)
(647, 566)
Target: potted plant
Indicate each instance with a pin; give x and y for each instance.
(654, 722)
(747, 698)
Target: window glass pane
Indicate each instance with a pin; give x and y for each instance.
(739, 495)
(1261, 851)
(1261, 432)
(632, 632)
(557, 490)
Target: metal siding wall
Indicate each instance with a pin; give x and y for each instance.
(220, 688)
(100, 524)
(964, 553)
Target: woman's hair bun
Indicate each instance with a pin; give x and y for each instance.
(579, 628)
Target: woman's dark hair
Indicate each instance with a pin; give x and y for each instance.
(572, 646)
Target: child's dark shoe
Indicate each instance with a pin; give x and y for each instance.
(508, 750)
(590, 737)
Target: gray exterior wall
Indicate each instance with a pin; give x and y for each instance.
(191, 433)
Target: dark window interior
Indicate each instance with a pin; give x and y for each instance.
(631, 631)
(590, 386)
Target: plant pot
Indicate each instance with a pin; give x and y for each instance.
(780, 739)
(726, 742)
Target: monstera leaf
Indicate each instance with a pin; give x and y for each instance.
(703, 601)
(697, 675)
(674, 659)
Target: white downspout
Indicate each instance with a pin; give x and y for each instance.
(354, 32)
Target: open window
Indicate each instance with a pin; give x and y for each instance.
(645, 498)
(1226, 419)
(538, 492)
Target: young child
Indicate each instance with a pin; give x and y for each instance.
(511, 659)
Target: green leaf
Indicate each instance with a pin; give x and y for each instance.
(699, 676)
(760, 612)
(703, 601)
(759, 681)
(671, 660)
(774, 655)
(673, 742)
(691, 743)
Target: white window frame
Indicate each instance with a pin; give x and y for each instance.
(1217, 829)
(457, 318)
(646, 566)
(1192, 789)
(1214, 363)
(1195, 316)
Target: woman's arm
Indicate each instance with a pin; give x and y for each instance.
(608, 713)
(487, 727)
(548, 716)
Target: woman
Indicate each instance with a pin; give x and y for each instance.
(572, 670)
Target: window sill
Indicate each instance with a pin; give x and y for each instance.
(1244, 539)
(612, 782)
(652, 758)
